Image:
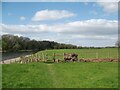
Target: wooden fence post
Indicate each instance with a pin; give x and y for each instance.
(10, 61)
(46, 57)
(43, 56)
(54, 57)
(63, 56)
(96, 55)
(36, 55)
(108, 55)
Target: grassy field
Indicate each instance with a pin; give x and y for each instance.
(83, 53)
(64, 75)
(61, 75)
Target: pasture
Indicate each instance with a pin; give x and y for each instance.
(82, 53)
(64, 74)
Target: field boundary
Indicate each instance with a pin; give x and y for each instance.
(54, 57)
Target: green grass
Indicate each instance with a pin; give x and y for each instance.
(61, 75)
(64, 75)
(83, 53)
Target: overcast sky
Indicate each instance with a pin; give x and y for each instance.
(78, 23)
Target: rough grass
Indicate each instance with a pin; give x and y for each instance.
(61, 75)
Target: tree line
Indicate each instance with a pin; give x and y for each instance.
(16, 43)
(10, 42)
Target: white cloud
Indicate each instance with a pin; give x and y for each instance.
(22, 18)
(96, 37)
(92, 26)
(22, 29)
(51, 15)
(88, 30)
(109, 7)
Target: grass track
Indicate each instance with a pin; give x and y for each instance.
(61, 75)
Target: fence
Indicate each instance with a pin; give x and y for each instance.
(85, 55)
(56, 57)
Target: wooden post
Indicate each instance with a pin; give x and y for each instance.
(15, 61)
(46, 57)
(36, 57)
(63, 56)
(2, 61)
(54, 57)
(43, 56)
(96, 55)
(10, 61)
(108, 55)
